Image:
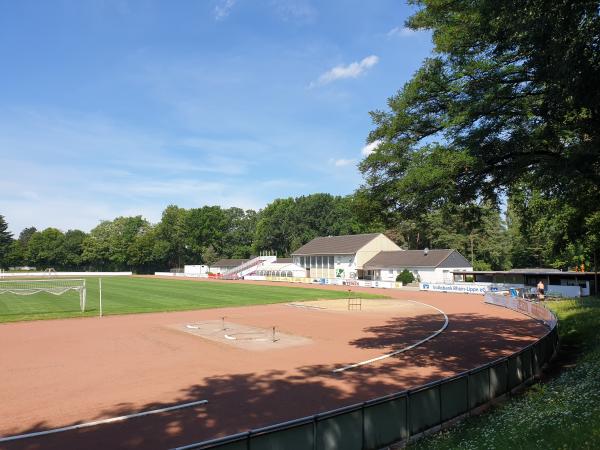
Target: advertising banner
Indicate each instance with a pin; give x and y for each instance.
(461, 288)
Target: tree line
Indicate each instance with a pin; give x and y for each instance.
(182, 236)
(481, 232)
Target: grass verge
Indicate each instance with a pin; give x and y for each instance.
(130, 295)
(563, 412)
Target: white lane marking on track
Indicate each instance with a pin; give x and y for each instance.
(102, 421)
(388, 355)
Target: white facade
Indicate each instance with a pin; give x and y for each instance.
(195, 270)
(424, 274)
(280, 270)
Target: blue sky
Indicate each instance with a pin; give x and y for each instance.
(112, 108)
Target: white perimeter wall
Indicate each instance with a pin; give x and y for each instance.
(63, 274)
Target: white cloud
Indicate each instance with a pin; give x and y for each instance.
(401, 32)
(370, 148)
(343, 162)
(352, 70)
(223, 9)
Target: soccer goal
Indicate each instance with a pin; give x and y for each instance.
(55, 286)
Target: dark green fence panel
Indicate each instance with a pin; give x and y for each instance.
(544, 349)
(385, 423)
(297, 438)
(479, 387)
(424, 409)
(555, 340)
(238, 445)
(454, 397)
(499, 379)
(526, 358)
(536, 359)
(340, 431)
(548, 348)
(515, 371)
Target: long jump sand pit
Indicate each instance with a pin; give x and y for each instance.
(241, 336)
(63, 372)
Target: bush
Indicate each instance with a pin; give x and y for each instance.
(405, 277)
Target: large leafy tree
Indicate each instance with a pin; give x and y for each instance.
(286, 224)
(510, 96)
(6, 239)
(108, 246)
(172, 232)
(45, 249)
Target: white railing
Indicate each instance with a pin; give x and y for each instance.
(247, 267)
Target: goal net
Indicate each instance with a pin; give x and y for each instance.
(55, 286)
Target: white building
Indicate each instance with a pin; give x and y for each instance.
(342, 256)
(434, 266)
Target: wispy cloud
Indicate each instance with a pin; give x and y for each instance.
(401, 32)
(223, 9)
(352, 70)
(371, 147)
(343, 162)
(81, 170)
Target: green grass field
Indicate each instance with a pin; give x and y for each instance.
(562, 413)
(128, 295)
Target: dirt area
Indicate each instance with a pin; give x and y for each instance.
(62, 372)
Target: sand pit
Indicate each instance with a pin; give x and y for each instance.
(246, 337)
(400, 308)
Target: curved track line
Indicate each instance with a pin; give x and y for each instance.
(388, 355)
(103, 421)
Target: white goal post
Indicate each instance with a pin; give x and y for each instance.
(55, 286)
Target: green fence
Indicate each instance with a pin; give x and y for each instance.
(380, 422)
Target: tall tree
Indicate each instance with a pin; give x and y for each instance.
(26, 234)
(510, 96)
(108, 245)
(286, 224)
(72, 249)
(6, 239)
(45, 249)
(172, 232)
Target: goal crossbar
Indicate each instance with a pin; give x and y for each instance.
(55, 286)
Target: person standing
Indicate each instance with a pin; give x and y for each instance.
(540, 290)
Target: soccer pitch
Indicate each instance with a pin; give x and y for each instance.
(131, 295)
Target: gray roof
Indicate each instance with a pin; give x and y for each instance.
(417, 258)
(336, 245)
(226, 262)
(285, 260)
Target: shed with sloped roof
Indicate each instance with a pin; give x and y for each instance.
(436, 265)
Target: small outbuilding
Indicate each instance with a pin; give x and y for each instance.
(435, 266)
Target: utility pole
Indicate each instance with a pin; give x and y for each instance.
(472, 257)
(595, 272)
